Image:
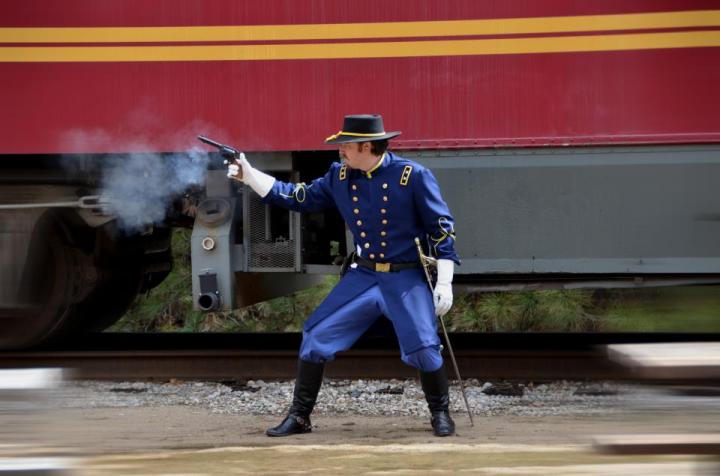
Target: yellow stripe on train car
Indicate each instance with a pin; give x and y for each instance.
(383, 49)
(349, 31)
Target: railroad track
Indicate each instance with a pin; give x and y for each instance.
(273, 356)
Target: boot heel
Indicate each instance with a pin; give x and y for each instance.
(307, 386)
(435, 386)
(291, 425)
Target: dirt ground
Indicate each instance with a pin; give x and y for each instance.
(182, 440)
(113, 430)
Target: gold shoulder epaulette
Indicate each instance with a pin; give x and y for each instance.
(343, 172)
(405, 177)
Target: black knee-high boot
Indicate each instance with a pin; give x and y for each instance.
(307, 386)
(435, 386)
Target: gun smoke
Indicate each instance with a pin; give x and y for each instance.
(140, 188)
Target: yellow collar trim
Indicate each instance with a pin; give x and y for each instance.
(375, 167)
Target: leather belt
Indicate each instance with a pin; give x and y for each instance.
(384, 267)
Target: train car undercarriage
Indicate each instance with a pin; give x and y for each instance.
(526, 219)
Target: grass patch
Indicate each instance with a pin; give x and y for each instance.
(169, 308)
(526, 311)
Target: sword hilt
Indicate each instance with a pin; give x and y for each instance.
(424, 259)
(425, 263)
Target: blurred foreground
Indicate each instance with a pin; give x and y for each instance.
(175, 427)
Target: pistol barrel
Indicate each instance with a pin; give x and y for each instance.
(211, 142)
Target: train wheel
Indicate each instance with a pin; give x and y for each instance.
(45, 278)
(76, 280)
(119, 260)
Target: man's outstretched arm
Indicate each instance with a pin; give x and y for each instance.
(294, 196)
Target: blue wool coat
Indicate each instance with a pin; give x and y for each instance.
(385, 208)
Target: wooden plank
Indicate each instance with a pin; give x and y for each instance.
(30, 379)
(655, 444)
(692, 360)
(37, 466)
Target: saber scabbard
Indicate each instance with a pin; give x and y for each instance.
(426, 262)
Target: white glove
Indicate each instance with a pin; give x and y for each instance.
(244, 172)
(443, 295)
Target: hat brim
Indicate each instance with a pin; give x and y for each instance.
(341, 138)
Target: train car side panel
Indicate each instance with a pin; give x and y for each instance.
(533, 76)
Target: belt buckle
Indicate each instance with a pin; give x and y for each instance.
(382, 267)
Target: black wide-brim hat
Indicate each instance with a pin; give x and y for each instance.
(361, 128)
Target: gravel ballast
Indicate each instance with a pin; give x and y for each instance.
(352, 397)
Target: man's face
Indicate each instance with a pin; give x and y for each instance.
(355, 153)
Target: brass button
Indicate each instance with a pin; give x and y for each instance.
(384, 221)
(383, 244)
(384, 185)
(355, 199)
(372, 256)
(359, 222)
(385, 199)
(383, 211)
(354, 187)
(366, 245)
(363, 234)
(382, 255)
(383, 233)
(356, 211)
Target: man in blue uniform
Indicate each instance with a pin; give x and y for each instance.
(386, 202)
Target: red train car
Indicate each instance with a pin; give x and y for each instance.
(577, 140)
(89, 77)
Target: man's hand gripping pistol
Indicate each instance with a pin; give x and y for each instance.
(240, 169)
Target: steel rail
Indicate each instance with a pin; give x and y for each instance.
(274, 364)
(537, 357)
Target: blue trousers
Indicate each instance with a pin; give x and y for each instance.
(360, 298)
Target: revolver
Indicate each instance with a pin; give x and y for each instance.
(230, 154)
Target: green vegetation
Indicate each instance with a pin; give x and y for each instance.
(525, 311)
(168, 308)
(674, 309)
